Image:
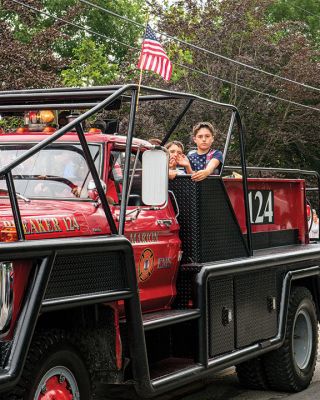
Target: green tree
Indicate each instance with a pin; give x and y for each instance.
(277, 133)
(306, 12)
(90, 66)
(70, 44)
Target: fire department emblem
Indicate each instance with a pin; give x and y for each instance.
(146, 264)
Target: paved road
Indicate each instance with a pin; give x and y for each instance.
(225, 386)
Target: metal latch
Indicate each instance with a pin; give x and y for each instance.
(226, 316)
(164, 222)
(271, 303)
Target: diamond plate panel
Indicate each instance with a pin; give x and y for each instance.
(220, 307)
(208, 227)
(84, 274)
(254, 319)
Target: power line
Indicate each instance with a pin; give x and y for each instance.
(201, 48)
(178, 64)
(249, 89)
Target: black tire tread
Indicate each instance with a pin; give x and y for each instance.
(278, 363)
(41, 344)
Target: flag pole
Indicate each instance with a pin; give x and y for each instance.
(140, 78)
(139, 86)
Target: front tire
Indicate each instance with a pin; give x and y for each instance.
(54, 369)
(291, 367)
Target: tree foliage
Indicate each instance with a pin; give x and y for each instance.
(78, 43)
(305, 11)
(89, 66)
(279, 36)
(277, 133)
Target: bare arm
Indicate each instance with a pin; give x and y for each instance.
(204, 173)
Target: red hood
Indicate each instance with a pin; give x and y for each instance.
(49, 218)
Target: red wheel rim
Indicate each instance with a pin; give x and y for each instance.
(58, 383)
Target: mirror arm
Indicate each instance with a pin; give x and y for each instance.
(176, 203)
(155, 208)
(132, 174)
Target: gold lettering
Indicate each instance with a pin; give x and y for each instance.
(33, 228)
(25, 228)
(64, 220)
(75, 224)
(56, 226)
(143, 237)
(71, 224)
(133, 237)
(41, 226)
(8, 224)
(48, 223)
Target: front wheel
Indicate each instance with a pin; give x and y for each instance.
(54, 370)
(291, 367)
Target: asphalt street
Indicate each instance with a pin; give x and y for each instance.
(225, 386)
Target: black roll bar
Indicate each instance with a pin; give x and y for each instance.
(176, 122)
(44, 97)
(125, 183)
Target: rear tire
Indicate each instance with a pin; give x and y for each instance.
(290, 368)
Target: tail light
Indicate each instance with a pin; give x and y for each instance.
(6, 296)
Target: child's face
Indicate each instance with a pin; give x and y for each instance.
(175, 151)
(203, 139)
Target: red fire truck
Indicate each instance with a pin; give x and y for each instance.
(111, 278)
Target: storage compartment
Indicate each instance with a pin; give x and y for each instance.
(256, 307)
(220, 316)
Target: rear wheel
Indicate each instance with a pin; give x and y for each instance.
(54, 370)
(291, 367)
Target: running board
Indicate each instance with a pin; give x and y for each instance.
(160, 319)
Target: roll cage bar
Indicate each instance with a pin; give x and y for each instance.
(95, 99)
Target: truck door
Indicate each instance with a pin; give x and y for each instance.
(154, 234)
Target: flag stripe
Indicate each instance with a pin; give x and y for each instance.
(153, 57)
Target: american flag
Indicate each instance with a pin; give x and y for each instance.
(153, 57)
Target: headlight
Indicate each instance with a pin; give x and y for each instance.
(6, 296)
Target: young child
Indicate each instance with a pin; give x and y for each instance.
(177, 159)
(204, 161)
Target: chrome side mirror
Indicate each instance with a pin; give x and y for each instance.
(155, 177)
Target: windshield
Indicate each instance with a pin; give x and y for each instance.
(58, 171)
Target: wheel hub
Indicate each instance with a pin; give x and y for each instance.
(56, 390)
(57, 384)
(302, 339)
